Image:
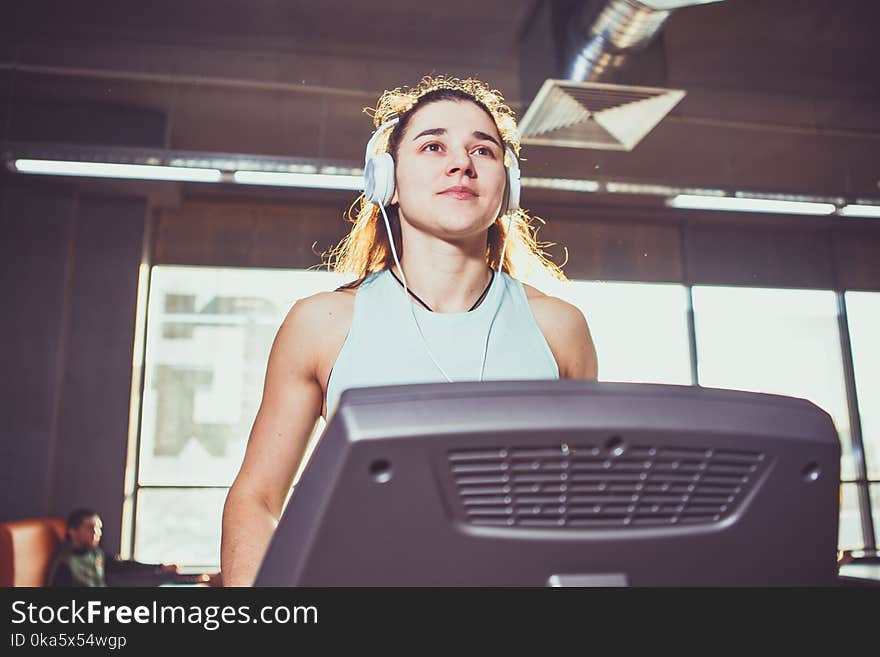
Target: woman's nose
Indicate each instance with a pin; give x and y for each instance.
(460, 161)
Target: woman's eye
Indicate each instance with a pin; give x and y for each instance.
(479, 150)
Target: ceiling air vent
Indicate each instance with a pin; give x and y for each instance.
(595, 115)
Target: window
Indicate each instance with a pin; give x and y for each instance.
(875, 506)
(209, 333)
(784, 342)
(179, 525)
(640, 329)
(863, 320)
(849, 535)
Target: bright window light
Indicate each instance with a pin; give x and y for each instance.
(692, 202)
(639, 329)
(863, 317)
(778, 341)
(208, 335)
(111, 170)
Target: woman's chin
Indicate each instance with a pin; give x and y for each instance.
(454, 226)
(462, 231)
(463, 225)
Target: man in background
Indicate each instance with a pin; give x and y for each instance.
(81, 562)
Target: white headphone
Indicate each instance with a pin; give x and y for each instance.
(379, 174)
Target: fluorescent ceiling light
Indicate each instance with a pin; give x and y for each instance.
(314, 180)
(692, 202)
(658, 190)
(669, 5)
(111, 170)
(870, 211)
(800, 198)
(567, 184)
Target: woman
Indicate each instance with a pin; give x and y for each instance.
(436, 303)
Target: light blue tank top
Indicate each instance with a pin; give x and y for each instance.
(383, 346)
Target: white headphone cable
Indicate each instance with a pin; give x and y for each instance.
(412, 310)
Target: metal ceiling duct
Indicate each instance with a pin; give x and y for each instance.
(583, 112)
(621, 27)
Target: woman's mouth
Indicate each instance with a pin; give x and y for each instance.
(459, 192)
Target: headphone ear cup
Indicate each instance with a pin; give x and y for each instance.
(512, 191)
(379, 179)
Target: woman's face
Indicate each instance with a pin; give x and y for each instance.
(449, 170)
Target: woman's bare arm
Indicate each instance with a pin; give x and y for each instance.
(291, 405)
(579, 360)
(568, 335)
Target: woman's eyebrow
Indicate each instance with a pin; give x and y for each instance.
(430, 131)
(483, 135)
(442, 131)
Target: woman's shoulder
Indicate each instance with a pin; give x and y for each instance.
(322, 308)
(325, 313)
(566, 331)
(316, 325)
(552, 310)
(533, 292)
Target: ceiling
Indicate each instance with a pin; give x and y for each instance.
(782, 95)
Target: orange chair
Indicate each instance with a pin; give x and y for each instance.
(26, 550)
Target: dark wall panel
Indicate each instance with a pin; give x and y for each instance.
(857, 255)
(82, 122)
(732, 254)
(93, 414)
(68, 275)
(616, 250)
(34, 249)
(248, 235)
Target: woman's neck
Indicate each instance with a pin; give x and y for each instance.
(448, 276)
(447, 289)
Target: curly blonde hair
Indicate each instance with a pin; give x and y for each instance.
(366, 248)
